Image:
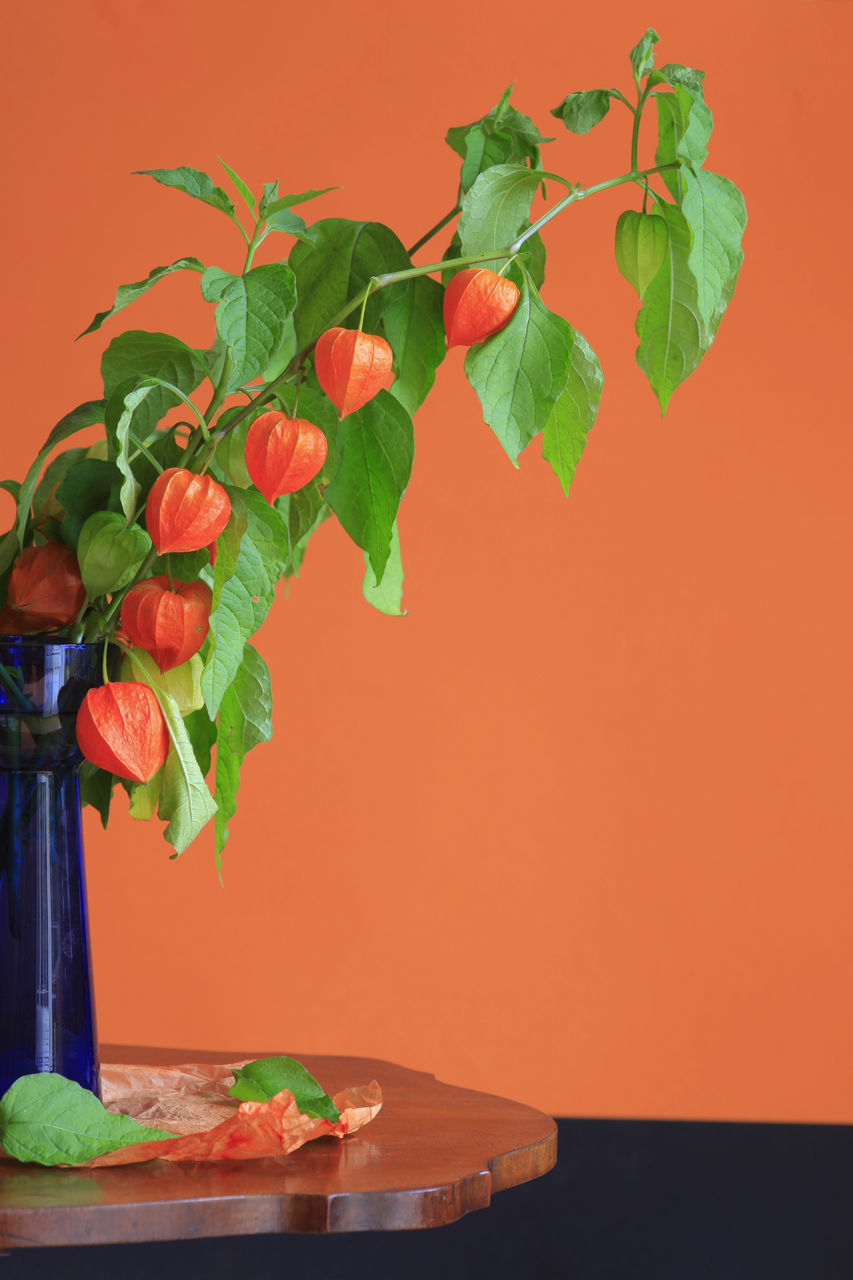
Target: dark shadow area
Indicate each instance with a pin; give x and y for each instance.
(628, 1200)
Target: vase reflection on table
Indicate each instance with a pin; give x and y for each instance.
(47, 1015)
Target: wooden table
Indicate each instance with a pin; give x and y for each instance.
(434, 1153)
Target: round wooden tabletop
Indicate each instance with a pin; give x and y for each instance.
(434, 1153)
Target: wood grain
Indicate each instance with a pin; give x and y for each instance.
(434, 1153)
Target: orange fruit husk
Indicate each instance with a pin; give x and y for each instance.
(477, 303)
(352, 367)
(168, 620)
(283, 454)
(121, 728)
(185, 512)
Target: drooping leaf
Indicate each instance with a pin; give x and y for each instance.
(185, 803)
(201, 731)
(684, 122)
(574, 413)
(145, 797)
(250, 315)
(127, 293)
(496, 208)
(121, 411)
(582, 111)
(261, 1080)
(96, 789)
(716, 214)
(377, 448)
(502, 136)
(669, 323)
(46, 1119)
(193, 183)
(642, 54)
(519, 374)
(245, 719)
(137, 354)
(414, 326)
(242, 600)
(387, 595)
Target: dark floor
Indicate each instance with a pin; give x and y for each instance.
(629, 1200)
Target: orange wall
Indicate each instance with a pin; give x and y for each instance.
(577, 830)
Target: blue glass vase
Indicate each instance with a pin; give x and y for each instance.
(47, 1014)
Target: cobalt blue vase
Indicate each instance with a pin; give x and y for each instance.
(47, 1012)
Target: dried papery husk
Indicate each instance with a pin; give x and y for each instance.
(168, 619)
(121, 728)
(45, 590)
(185, 512)
(352, 367)
(283, 454)
(477, 303)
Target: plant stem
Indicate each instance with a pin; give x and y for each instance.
(578, 193)
(433, 231)
(635, 132)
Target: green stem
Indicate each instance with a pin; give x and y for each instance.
(579, 193)
(433, 231)
(141, 448)
(635, 132)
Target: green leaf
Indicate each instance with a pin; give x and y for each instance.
(46, 1119)
(496, 208)
(54, 473)
(387, 595)
(109, 552)
(12, 487)
(135, 355)
(642, 54)
(201, 731)
(377, 448)
(290, 224)
(574, 413)
(86, 489)
(242, 189)
(245, 719)
(122, 408)
(669, 324)
(261, 1080)
(716, 214)
(684, 122)
(250, 315)
(279, 203)
(127, 293)
(413, 323)
(641, 240)
(582, 111)
(520, 372)
(183, 683)
(502, 136)
(96, 789)
(85, 415)
(145, 797)
(193, 183)
(243, 598)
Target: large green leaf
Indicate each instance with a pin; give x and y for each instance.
(185, 805)
(245, 719)
(684, 122)
(387, 595)
(85, 490)
(501, 136)
(496, 208)
(46, 1119)
(250, 315)
(377, 448)
(413, 323)
(519, 374)
(127, 293)
(574, 413)
(716, 214)
(669, 324)
(193, 183)
(137, 354)
(582, 111)
(243, 598)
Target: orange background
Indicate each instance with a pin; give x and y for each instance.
(578, 829)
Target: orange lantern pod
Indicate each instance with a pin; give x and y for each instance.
(477, 303)
(352, 367)
(185, 512)
(45, 588)
(283, 454)
(168, 620)
(121, 728)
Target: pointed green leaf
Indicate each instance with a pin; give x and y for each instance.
(684, 122)
(377, 448)
(245, 719)
(193, 183)
(573, 413)
(96, 789)
(243, 190)
(716, 214)
(582, 111)
(85, 415)
(279, 203)
(136, 354)
(642, 55)
(669, 325)
(251, 314)
(127, 293)
(496, 208)
(502, 136)
(387, 595)
(413, 323)
(46, 1119)
(519, 374)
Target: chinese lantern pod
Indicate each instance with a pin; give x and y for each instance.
(169, 621)
(45, 587)
(121, 728)
(283, 454)
(352, 367)
(185, 512)
(477, 303)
